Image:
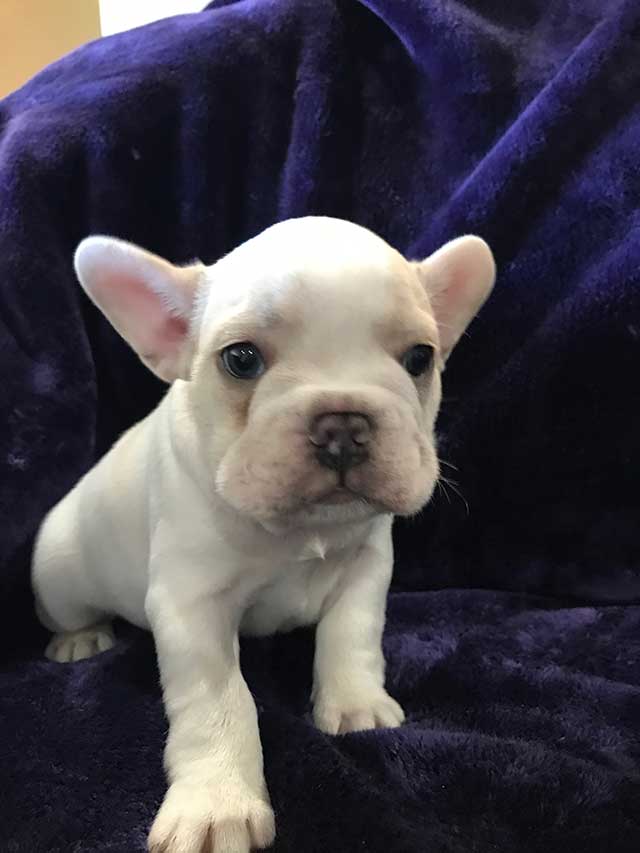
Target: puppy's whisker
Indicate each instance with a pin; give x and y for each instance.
(448, 464)
(443, 490)
(457, 491)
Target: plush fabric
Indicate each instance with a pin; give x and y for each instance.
(514, 632)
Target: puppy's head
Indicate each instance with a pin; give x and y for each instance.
(312, 354)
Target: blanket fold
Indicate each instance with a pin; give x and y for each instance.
(514, 630)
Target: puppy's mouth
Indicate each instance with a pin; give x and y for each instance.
(339, 495)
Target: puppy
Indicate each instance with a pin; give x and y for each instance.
(259, 495)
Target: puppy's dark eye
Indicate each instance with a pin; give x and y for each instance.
(243, 361)
(417, 360)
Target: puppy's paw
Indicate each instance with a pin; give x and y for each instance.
(203, 818)
(339, 712)
(77, 645)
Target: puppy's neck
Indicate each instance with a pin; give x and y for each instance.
(287, 538)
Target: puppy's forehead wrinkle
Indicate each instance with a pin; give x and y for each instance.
(317, 291)
(349, 306)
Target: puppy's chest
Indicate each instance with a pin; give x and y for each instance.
(295, 599)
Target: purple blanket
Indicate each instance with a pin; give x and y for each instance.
(513, 637)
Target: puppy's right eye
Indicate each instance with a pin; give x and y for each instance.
(418, 359)
(243, 361)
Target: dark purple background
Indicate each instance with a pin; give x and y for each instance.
(514, 633)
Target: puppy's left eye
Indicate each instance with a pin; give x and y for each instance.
(243, 361)
(417, 360)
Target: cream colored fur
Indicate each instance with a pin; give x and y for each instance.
(213, 516)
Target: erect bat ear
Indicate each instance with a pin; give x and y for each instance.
(458, 278)
(148, 300)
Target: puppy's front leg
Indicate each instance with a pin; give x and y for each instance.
(217, 799)
(348, 684)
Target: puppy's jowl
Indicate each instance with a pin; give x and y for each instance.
(259, 495)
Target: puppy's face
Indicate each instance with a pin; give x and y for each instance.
(323, 383)
(313, 356)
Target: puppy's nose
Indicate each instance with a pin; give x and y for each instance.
(341, 439)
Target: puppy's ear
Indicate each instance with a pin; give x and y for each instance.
(458, 278)
(147, 300)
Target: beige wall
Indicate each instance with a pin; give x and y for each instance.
(34, 33)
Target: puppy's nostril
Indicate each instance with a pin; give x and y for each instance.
(359, 428)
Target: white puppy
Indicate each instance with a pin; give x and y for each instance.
(259, 495)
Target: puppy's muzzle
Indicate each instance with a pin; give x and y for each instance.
(341, 440)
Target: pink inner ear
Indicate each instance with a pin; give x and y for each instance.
(141, 316)
(175, 329)
(166, 339)
(462, 276)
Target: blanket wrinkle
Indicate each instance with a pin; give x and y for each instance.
(513, 630)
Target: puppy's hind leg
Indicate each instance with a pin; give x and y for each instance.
(62, 600)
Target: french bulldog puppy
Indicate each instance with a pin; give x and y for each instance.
(259, 495)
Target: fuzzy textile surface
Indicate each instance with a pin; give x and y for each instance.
(513, 636)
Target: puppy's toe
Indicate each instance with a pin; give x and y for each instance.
(78, 645)
(230, 836)
(362, 711)
(389, 714)
(262, 825)
(198, 817)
